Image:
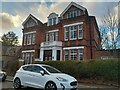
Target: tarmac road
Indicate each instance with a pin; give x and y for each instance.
(7, 85)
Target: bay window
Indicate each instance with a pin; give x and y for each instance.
(66, 55)
(80, 54)
(73, 54)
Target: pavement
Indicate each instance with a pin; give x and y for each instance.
(9, 79)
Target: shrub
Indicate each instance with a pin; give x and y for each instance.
(107, 69)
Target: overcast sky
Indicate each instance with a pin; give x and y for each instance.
(12, 14)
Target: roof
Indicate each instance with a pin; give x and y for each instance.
(74, 4)
(34, 18)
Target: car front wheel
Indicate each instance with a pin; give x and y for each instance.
(17, 83)
(50, 86)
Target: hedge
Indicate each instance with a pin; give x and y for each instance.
(105, 69)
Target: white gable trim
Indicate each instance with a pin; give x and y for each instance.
(74, 4)
(30, 16)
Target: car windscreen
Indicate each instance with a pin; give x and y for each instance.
(51, 69)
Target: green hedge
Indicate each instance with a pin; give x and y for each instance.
(105, 69)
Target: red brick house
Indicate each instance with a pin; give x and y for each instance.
(73, 35)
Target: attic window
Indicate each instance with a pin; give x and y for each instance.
(73, 14)
(30, 23)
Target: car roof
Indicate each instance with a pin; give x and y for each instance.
(34, 64)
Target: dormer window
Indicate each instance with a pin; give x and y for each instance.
(52, 19)
(50, 22)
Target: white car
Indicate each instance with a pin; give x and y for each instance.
(3, 76)
(43, 77)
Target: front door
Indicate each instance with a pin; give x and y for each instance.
(58, 55)
(47, 55)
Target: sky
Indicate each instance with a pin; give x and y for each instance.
(13, 14)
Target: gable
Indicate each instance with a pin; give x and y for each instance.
(73, 7)
(30, 22)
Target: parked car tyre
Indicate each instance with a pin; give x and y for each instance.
(3, 76)
(50, 86)
(17, 83)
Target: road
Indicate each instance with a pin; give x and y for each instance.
(9, 86)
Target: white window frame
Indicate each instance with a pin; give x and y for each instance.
(46, 36)
(28, 58)
(78, 12)
(25, 38)
(50, 22)
(80, 54)
(33, 38)
(54, 20)
(29, 39)
(80, 30)
(75, 13)
(31, 57)
(51, 36)
(66, 52)
(73, 52)
(68, 15)
(56, 36)
(73, 31)
(66, 30)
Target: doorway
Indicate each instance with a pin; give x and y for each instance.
(58, 55)
(47, 55)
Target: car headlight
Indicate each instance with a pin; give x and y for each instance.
(61, 79)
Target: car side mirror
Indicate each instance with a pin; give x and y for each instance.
(42, 73)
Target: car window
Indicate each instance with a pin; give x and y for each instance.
(27, 68)
(51, 69)
(37, 69)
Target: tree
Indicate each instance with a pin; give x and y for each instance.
(9, 39)
(109, 30)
